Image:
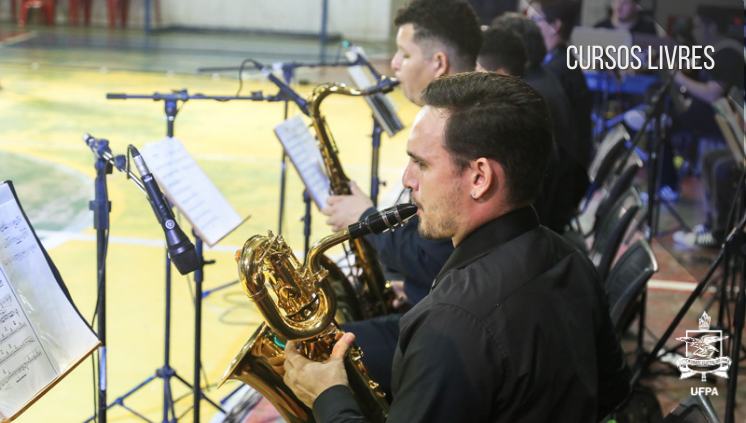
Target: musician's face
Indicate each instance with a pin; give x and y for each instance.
(548, 30)
(624, 10)
(436, 183)
(413, 65)
(703, 32)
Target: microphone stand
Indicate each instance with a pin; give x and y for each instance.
(171, 102)
(101, 207)
(734, 247)
(288, 72)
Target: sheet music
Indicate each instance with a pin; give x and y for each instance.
(384, 109)
(25, 367)
(303, 151)
(191, 190)
(41, 334)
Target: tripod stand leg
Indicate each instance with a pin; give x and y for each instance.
(120, 401)
(738, 324)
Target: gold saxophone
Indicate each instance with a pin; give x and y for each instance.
(302, 309)
(375, 296)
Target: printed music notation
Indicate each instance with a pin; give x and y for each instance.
(191, 190)
(19, 373)
(41, 334)
(303, 151)
(6, 315)
(10, 330)
(14, 349)
(17, 338)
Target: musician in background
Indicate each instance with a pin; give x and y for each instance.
(625, 14)
(516, 327)
(568, 180)
(720, 171)
(556, 19)
(435, 38)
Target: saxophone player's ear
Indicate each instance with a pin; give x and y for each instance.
(440, 65)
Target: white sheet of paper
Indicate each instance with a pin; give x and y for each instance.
(188, 187)
(303, 151)
(41, 333)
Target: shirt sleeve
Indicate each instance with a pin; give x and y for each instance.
(613, 373)
(337, 405)
(405, 251)
(448, 373)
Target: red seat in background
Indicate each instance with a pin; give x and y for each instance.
(47, 7)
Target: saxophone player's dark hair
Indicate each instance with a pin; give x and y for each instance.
(503, 48)
(497, 117)
(453, 23)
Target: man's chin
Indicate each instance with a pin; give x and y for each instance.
(428, 234)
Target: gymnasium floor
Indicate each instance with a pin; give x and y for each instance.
(54, 83)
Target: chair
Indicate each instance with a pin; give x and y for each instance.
(614, 187)
(695, 409)
(47, 7)
(609, 152)
(13, 10)
(75, 8)
(117, 6)
(626, 281)
(608, 237)
(619, 185)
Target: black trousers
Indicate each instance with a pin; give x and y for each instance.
(377, 338)
(720, 174)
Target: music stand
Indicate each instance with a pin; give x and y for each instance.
(166, 372)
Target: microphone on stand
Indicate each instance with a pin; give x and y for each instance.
(284, 88)
(101, 150)
(179, 246)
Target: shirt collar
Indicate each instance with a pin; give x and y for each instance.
(490, 235)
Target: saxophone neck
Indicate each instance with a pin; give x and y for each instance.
(321, 246)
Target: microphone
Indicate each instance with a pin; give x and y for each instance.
(180, 247)
(102, 151)
(284, 88)
(389, 219)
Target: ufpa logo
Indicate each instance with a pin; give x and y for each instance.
(704, 352)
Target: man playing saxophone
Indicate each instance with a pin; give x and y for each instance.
(516, 326)
(435, 38)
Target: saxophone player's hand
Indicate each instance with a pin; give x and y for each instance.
(344, 210)
(308, 379)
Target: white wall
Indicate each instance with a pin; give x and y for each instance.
(361, 20)
(355, 19)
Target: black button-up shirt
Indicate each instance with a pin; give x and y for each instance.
(405, 252)
(516, 329)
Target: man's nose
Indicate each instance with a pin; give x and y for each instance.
(407, 179)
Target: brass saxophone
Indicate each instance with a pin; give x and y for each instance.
(374, 294)
(302, 308)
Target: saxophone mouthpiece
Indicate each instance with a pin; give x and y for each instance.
(383, 221)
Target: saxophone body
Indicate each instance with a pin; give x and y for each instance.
(298, 303)
(375, 296)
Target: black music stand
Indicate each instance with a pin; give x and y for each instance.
(166, 372)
